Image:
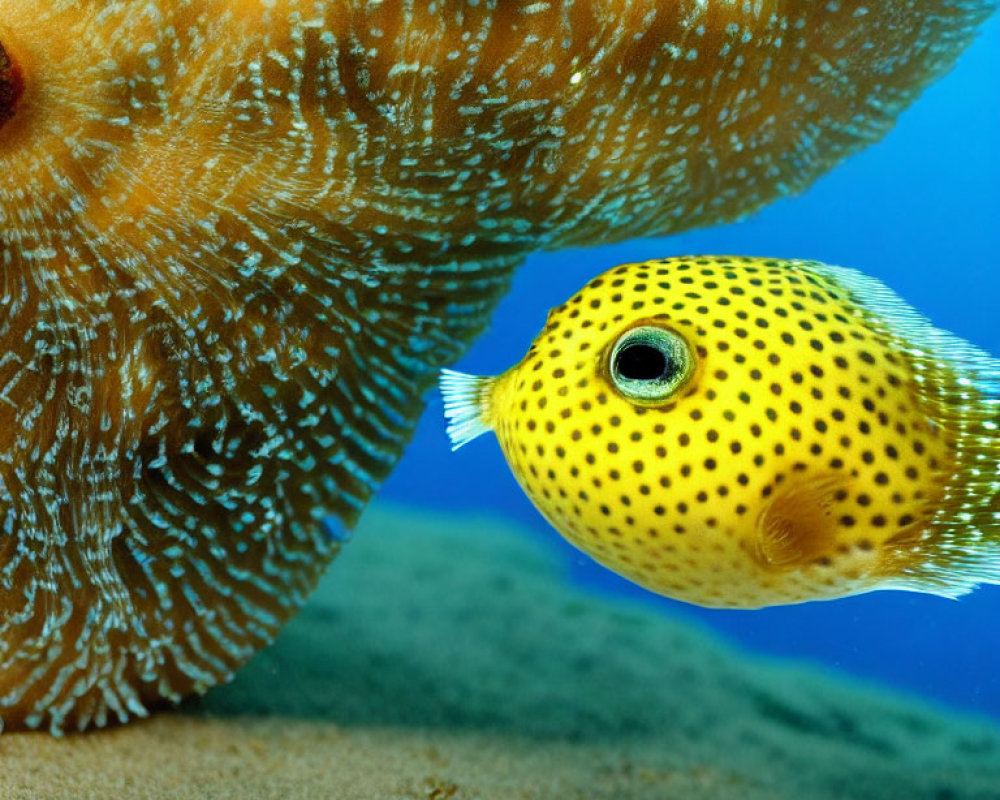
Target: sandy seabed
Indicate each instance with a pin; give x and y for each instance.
(447, 657)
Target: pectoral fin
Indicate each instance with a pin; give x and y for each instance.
(798, 526)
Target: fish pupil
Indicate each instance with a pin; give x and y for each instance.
(643, 362)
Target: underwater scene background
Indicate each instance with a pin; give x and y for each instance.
(921, 212)
(457, 647)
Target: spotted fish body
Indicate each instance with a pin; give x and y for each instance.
(740, 432)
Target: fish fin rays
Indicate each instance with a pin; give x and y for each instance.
(797, 527)
(924, 343)
(950, 560)
(961, 569)
(465, 405)
(959, 386)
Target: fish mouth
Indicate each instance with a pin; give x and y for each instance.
(11, 85)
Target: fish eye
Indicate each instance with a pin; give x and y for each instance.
(648, 364)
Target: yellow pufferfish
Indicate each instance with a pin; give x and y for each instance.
(743, 432)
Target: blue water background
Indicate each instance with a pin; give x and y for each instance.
(921, 211)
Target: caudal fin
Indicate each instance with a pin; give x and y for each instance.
(465, 402)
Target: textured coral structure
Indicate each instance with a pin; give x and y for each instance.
(238, 237)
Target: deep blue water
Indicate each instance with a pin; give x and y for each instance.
(921, 211)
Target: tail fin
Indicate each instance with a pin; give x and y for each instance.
(465, 402)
